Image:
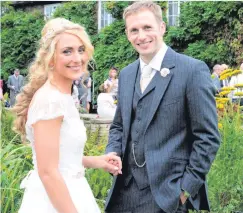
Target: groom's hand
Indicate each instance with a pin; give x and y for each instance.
(114, 164)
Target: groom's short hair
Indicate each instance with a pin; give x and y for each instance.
(141, 5)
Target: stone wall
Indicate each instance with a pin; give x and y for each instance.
(92, 122)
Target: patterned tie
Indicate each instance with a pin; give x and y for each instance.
(145, 77)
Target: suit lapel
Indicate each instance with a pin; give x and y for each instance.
(162, 83)
(130, 80)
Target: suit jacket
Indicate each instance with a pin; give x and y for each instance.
(181, 131)
(16, 82)
(216, 83)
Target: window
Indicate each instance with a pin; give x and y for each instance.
(173, 13)
(104, 18)
(49, 10)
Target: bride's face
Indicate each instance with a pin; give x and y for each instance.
(70, 57)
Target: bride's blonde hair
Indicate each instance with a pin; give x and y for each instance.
(40, 68)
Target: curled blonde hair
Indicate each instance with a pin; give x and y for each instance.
(40, 67)
(142, 5)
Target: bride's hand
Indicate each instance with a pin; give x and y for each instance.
(112, 163)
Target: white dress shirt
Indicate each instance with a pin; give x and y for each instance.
(156, 61)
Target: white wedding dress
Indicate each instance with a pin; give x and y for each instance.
(49, 104)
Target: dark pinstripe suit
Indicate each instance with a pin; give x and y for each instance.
(180, 134)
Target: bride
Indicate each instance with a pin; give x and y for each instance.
(47, 116)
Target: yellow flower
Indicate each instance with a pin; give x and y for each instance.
(222, 99)
(223, 93)
(236, 72)
(226, 71)
(239, 85)
(238, 94)
(220, 106)
(28, 156)
(224, 76)
(228, 88)
(220, 126)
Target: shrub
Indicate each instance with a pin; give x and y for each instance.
(99, 180)
(225, 178)
(15, 163)
(24, 30)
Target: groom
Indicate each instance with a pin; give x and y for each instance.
(165, 127)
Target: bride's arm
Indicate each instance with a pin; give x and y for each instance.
(109, 162)
(46, 137)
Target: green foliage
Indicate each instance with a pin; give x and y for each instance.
(100, 183)
(19, 36)
(225, 178)
(81, 12)
(6, 126)
(15, 163)
(215, 28)
(6, 7)
(99, 180)
(210, 53)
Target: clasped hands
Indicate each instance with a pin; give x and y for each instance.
(112, 163)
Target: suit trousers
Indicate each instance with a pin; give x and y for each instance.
(130, 199)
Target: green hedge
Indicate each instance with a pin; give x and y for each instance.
(19, 39)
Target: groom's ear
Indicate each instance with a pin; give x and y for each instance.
(162, 28)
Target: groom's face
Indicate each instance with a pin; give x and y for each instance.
(145, 33)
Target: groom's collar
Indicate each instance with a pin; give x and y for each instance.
(157, 60)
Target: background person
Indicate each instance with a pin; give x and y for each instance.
(15, 83)
(106, 106)
(111, 84)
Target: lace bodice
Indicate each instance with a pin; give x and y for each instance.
(49, 104)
